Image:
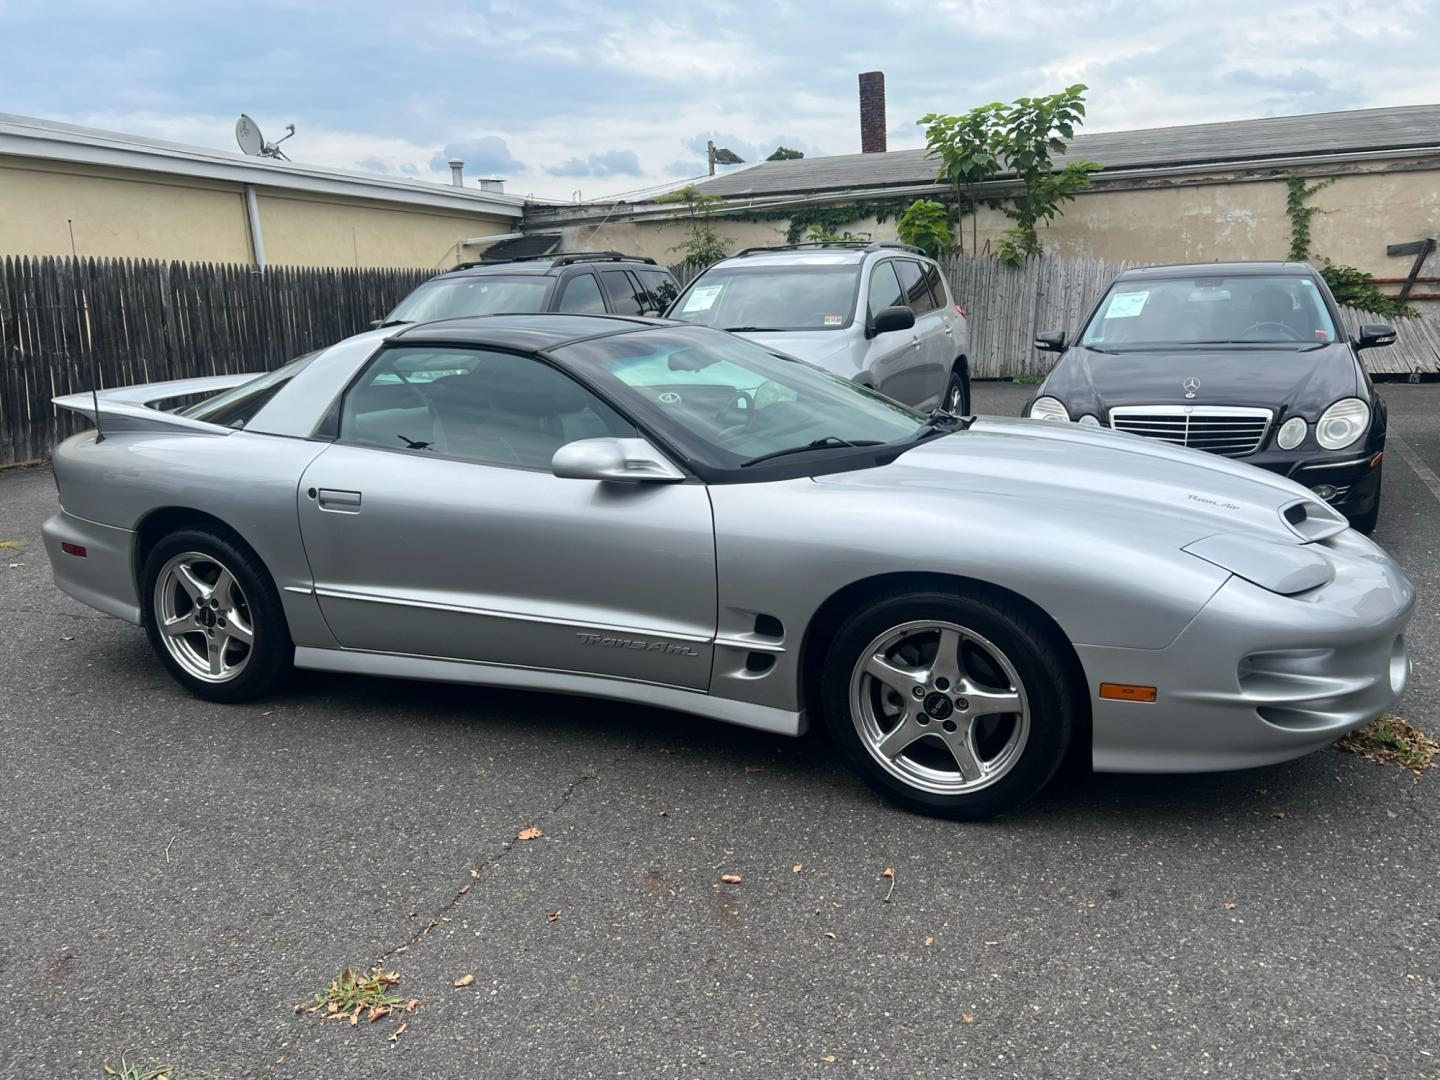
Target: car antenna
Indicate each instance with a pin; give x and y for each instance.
(94, 367)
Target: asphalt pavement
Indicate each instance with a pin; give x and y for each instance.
(180, 875)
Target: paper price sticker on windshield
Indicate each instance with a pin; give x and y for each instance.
(1126, 305)
(702, 298)
(834, 320)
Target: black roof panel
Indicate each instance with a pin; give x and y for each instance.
(530, 332)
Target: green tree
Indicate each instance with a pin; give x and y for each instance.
(1022, 138)
(703, 245)
(784, 153)
(825, 234)
(926, 224)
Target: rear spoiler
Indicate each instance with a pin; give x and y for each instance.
(134, 408)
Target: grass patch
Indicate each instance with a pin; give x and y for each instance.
(349, 995)
(126, 1071)
(1392, 741)
(1029, 378)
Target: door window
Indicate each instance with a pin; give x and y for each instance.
(620, 287)
(884, 288)
(659, 289)
(581, 296)
(912, 280)
(490, 407)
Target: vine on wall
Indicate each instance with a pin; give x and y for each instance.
(1296, 192)
(1352, 287)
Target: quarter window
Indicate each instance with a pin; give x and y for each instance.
(937, 286)
(620, 288)
(490, 407)
(581, 295)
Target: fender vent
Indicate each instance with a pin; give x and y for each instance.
(769, 627)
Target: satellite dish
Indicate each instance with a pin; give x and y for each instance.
(247, 134)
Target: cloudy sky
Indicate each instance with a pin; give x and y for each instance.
(561, 97)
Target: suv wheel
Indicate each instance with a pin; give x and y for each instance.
(957, 393)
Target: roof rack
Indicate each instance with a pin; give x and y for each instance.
(564, 259)
(862, 245)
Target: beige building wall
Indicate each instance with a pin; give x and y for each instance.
(117, 213)
(1359, 214)
(122, 213)
(299, 231)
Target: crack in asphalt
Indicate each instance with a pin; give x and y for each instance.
(477, 875)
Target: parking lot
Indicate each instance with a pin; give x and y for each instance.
(181, 875)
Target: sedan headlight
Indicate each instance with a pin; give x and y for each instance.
(1048, 408)
(1342, 423)
(1291, 434)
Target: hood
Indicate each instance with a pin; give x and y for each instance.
(823, 348)
(1124, 481)
(1290, 381)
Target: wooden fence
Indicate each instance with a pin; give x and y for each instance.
(146, 321)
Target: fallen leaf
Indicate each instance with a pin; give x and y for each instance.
(411, 1005)
(377, 1012)
(929, 941)
(301, 1007)
(395, 1035)
(333, 1006)
(1391, 813)
(474, 873)
(1229, 905)
(827, 1057)
(464, 980)
(67, 637)
(969, 1018)
(731, 879)
(889, 871)
(492, 759)
(532, 833)
(797, 868)
(355, 1016)
(552, 916)
(463, 889)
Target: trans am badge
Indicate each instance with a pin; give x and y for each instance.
(669, 648)
(1192, 387)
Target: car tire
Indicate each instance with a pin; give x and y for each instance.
(957, 391)
(907, 730)
(1366, 522)
(214, 617)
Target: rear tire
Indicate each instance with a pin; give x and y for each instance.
(214, 617)
(956, 705)
(957, 393)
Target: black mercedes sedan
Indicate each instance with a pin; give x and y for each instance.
(1246, 360)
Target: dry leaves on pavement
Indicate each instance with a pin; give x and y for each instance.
(464, 980)
(532, 833)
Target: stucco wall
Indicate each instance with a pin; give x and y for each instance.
(125, 213)
(1359, 214)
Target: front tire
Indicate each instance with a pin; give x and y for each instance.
(956, 705)
(213, 616)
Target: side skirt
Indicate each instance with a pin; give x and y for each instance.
(430, 669)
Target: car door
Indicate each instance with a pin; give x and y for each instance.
(898, 360)
(435, 528)
(923, 380)
(938, 337)
(579, 294)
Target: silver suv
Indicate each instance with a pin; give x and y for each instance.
(878, 313)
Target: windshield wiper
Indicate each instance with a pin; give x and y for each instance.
(942, 420)
(753, 329)
(829, 442)
(394, 322)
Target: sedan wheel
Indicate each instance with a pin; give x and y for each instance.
(214, 617)
(954, 704)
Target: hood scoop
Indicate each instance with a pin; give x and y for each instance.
(1282, 568)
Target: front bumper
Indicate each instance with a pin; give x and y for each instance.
(1257, 677)
(1347, 479)
(104, 576)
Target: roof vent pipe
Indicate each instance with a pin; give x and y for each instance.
(457, 172)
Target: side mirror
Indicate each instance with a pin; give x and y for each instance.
(1050, 341)
(887, 320)
(628, 461)
(1374, 335)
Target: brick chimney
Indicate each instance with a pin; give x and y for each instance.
(872, 112)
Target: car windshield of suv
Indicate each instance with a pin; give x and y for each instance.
(808, 296)
(725, 401)
(1251, 308)
(474, 295)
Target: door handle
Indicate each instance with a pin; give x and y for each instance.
(949, 332)
(338, 501)
(915, 341)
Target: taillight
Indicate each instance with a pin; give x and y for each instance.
(961, 310)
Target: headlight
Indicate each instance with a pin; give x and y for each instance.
(1342, 423)
(1048, 408)
(1088, 421)
(1292, 433)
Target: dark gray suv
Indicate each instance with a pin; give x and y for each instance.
(581, 282)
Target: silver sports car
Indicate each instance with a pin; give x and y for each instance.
(667, 514)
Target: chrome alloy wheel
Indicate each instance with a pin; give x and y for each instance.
(939, 707)
(955, 399)
(203, 617)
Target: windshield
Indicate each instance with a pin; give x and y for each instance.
(805, 296)
(1187, 311)
(474, 295)
(724, 401)
(237, 406)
